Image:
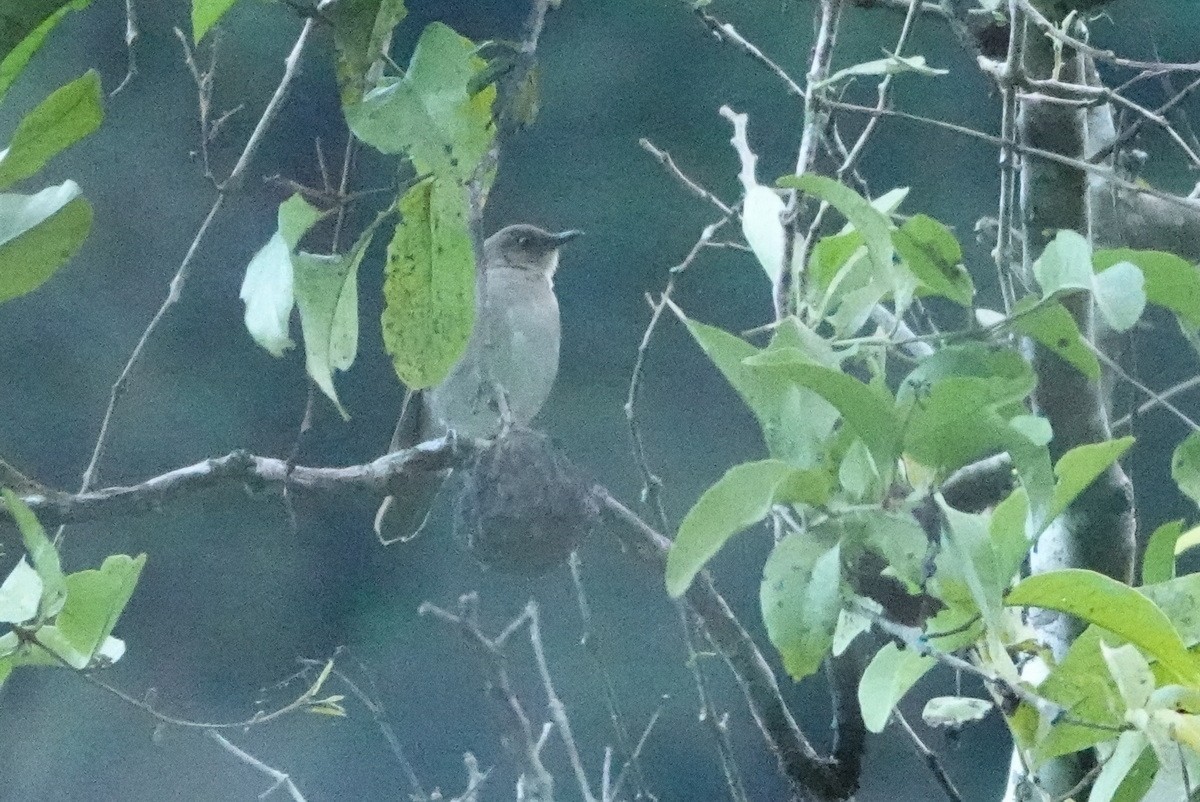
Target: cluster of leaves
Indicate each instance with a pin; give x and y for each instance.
(40, 232)
(60, 619)
(438, 116)
(55, 618)
(863, 534)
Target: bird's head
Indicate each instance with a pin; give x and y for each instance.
(526, 247)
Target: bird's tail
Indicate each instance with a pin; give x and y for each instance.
(402, 516)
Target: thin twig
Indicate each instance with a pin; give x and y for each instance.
(182, 273)
(931, 759)
(727, 33)
(1157, 400)
(131, 37)
(282, 780)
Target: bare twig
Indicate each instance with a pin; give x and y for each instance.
(282, 780)
(131, 37)
(182, 273)
(931, 759)
(664, 158)
(725, 32)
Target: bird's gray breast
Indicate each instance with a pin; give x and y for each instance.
(516, 336)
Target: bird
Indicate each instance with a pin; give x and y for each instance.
(504, 375)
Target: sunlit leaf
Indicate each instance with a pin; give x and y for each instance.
(1082, 465)
(429, 284)
(68, 115)
(95, 600)
(268, 289)
(801, 597)
(891, 674)
(1066, 265)
(1131, 672)
(741, 498)
(1111, 782)
(20, 594)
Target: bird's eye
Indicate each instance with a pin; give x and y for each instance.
(522, 240)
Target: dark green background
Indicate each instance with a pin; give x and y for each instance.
(231, 596)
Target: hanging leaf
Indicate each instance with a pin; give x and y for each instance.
(269, 286)
(866, 409)
(1082, 465)
(743, 497)
(68, 115)
(41, 553)
(801, 597)
(327, 296)
(1158, 560)
(762, 226)
(429, 284)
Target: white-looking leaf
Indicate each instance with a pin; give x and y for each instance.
(989, 317)
(1131, 671)
(20, 593)
(1120, 293)
(1119, 290)
(954, 711)
(849, 626)
(763, 228)
(112, 650)
(268, 288)
(1130, 746)
(890, 674)
(891, 65)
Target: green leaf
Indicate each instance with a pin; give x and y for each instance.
(268, 289)
(1185, 466)
(38, 234)
(41, 552)
(801, 598)
(429, 114)
(891, 674)
(1188, 540)
(866, 410)
(1158, 561)
(362, 34)
(1171, 282)
(959, 404)
(743, 497)
(955, 711)
(23, 27)
(1050, 325)
(1128, 774)
(327, 296)
(1079, 467)
(206, 14)
(868, 221)
(891, 65)
(1066, 265)
(1113, 605)
(935, 258)
(68, 115)
(429, 284)
(795, 422)
(95, 600)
